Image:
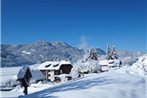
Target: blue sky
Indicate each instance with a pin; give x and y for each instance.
(101, 22)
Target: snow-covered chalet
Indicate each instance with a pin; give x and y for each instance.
(52, 70)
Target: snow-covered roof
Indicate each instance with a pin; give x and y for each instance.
(22, 71)
(84, 70)
(37, 75)
(115, 62)
(52, 65)
(103, 62)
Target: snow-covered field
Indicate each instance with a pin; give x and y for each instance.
(8, 73)
(104, 85)
(5, 75)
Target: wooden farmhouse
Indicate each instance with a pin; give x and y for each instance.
(52, 70)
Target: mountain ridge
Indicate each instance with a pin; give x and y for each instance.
(38, 52)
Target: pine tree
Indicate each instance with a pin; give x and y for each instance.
(93, 54)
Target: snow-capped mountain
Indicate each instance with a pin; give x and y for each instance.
(38, 52)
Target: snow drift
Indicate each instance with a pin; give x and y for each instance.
(137, 68)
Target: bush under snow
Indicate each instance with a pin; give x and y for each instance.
(137, 68)
(140, 67)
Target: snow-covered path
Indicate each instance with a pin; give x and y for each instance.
(104, 85)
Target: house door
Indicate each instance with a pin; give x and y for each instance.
(51, 75)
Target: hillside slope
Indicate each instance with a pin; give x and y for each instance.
(104, 85)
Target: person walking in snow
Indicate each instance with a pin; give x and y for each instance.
(24, 83)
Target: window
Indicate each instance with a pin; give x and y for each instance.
(56, 72)
(55, 65)
(48, 65)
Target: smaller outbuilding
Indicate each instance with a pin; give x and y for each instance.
(24, 76)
